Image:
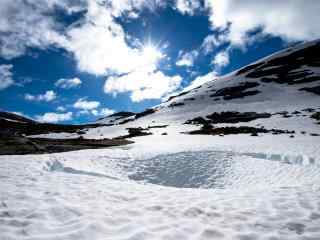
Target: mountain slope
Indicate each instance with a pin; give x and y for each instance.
(284, 88)
(236, 158)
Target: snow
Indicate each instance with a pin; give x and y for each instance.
(177, 186)
(149, 191)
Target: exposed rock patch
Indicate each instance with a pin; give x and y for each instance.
(221, 131)
(236, 117)
(315, 90)
(145, 113)
(15, 145)
(228, 117)
(135, 132)
(176, 104)
(239, 91)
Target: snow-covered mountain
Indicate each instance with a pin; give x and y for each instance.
(274, 96)
(235, 158)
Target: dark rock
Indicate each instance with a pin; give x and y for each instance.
(145, 113)
(238, 91)
(158, 126)
(296, 112)
(315, 90)
(179, 95)
(249, 68)
(135, 132)
(176, 104)
(22, 145)
(284, 68)
(119, 115)
(228, 131)
(126, 121)
(190, 99)
(236, 117)
(310, 110)
(15, 117)
(314, 134)
(237, 130)
(35, 128)
(316, 116)
(198, 120)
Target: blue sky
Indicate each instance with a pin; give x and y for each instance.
(76, 61)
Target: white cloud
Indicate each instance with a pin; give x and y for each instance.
(6, 76)
(61, 109)
(187, 59)
(200, 80)
(292, 19)
(68, 83)
(52, 117)
(212, 41)
(221, 60)
(102, 112)
(83, 104)
(96, 112)
(188, 6)
(25, 24)
(106, 111)
(48, 96)
(143, 84)
(97, 41)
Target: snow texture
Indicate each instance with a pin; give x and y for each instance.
(178, 186)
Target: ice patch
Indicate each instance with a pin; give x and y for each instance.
(224, 170)
(185, 170)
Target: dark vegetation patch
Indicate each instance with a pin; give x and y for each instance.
(315, 90)
(228, 117)
(316, 116)
(284, 68)
(35, 128)
(314, 134)
(135, 132)
(309, 110)
(249, 68)
(206, 130)
(16, 145)
(157, 126)
(15, 117)
(179, 95)
(239, 91)
(176, 104)
(236, 117)
(146, 112)
(198, 120)
(119, 115)
(284, 114)
(126, 121)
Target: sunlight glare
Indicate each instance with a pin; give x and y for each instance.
(151, 54)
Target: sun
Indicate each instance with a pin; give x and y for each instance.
(150, 54)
